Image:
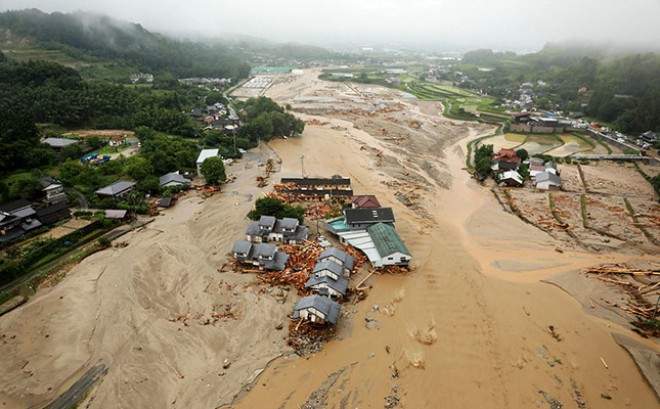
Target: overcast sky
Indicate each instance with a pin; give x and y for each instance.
(441, 24)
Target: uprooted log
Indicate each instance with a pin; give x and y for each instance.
(641, 284)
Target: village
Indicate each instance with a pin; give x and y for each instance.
(329, 272)
(313, 247)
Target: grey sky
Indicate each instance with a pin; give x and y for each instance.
(446, 24)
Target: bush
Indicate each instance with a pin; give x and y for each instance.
(104, 242)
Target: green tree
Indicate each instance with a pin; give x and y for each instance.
(522, 154)
(213, 171)
(138, 167)
(24, 186)
(267, 206)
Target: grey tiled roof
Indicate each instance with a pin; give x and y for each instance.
(324, 304)
(328, 265)
(340, 285)
(242, 246)
(344, 257)
(173, 177)
(116, 188)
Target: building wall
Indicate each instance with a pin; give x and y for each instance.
(397, 259)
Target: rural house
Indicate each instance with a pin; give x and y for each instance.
(174, 179)
(339, 257)
(317, 309)
(328, 286)
(389, 245)
(116, 190)
(327, 268)
(510, 178)
(262, 255)
(268, 228)
(53, 190)
(362, 218)
(16, 219)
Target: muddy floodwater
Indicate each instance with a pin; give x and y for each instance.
(476, 324)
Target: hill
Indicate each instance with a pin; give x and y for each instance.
(82, 40)
(616, 86)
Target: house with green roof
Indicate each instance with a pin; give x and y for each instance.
(388, 244)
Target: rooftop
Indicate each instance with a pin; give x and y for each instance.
(380, 214)
(173, 177)
(324, 305)
(387, 240)
(116, 188)
(59, 142)
(366, 201)
(207, 153)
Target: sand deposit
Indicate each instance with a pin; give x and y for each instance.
(472, 327)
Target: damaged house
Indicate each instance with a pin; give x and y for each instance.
(268, 228)
(262, 255)
(317, 309)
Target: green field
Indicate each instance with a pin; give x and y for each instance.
(459, 103)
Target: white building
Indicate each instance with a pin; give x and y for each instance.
(204, 155)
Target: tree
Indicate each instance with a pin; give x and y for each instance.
(482, 160)
(95, 142)
(522, 154)
(523, 170)
(25, 186)
(267, 206)
(138, 168)
(213, 171)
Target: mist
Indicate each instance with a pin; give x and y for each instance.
(423, 24)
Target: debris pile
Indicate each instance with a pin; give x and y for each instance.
(301, 263)
(643, 287)
(306, 338)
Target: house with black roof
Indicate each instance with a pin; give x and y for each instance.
(363, 218)
(16, 219)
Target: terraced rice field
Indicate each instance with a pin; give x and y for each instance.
(572, 144)
(506, 141)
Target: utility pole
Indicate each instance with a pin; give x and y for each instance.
(302, 165)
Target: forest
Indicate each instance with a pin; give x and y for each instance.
(101, 36)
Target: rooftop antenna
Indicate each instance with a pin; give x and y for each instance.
(302, 165)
